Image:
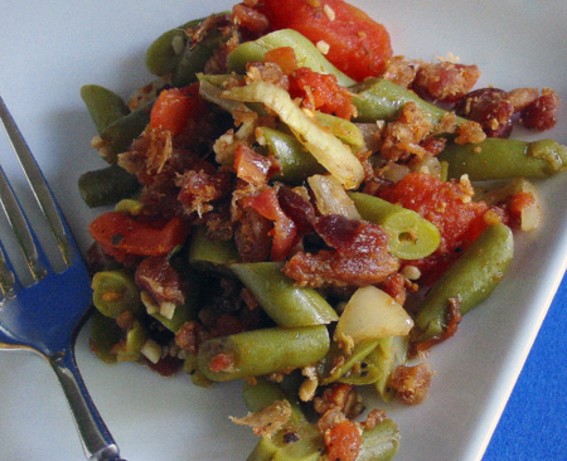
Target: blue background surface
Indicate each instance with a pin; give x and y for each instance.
(534, 423)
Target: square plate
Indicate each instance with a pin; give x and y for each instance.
(50, 49)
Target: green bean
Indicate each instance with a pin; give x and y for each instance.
(182, 314)
(195, 57)
(162, 56)
(210, 255)
(330, 372)
(468, 282)
(308, 444)
(409, 235)
(379, 99)
(497, 158)
(296, 162)
(119, 135)
(129, 350)
(115, 292)
(380, 443)
(104, 106)
(107, 186)
(105, 334)
(386, 356)
(306, 53)
(263, 351)
(287, 304)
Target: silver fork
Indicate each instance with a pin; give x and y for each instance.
(45, 315)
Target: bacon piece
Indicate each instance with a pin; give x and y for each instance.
(359, 256)
(251, 236)
(249, 18)
(199, 189)
(284, 231)
(445, 81)
(251, 166)
(156, 276)
(411, 384)
(542, 113)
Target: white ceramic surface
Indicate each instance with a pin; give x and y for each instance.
(48, 49)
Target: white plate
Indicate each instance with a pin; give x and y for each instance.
(49, 49)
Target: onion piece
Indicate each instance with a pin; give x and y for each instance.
(328, 150)
(371, 314)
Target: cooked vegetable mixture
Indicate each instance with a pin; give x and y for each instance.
(298, 207)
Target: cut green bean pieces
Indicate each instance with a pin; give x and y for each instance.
(497, 158)
(182, 314)
(211, 255)
(261, 352)
(296, 162)
(119, 135)
(331, 372)
(379, 99)
(104, 106)
(107, 186)
(388, 354)
(308, 444)
(287, 304)
(195, 57)
(380, 443)
(410, 236)
(164, 54)
(130, 350)
(306, 53)
(105, 334)
(468, 282)
(115, 292)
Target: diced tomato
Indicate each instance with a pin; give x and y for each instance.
(321, 92)
(175, 107)
(284, 232)
(358, 45)
(459, 219)
(343, 441)
(119, 235)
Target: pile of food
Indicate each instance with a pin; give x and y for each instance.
(298, 207)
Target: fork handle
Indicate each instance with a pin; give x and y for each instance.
(98, 444)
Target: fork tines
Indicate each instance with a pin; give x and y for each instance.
(16, 218)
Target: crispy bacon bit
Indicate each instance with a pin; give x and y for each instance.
(267, 72)
(359, 256)
(199, 189)
(268, 420)
(541, 114)
(375, 417)
(190, 335)
(156, 276)
(411, 384)
(491, 108)
(521, 98)
(401, 71)
(284, 231)
(339, 396)
(165, 366)
(251, 166)
(402, 138)
(249, 18)
(321, 92)
(445, 81)
(299, 209)
(251, 236)
(470, 132)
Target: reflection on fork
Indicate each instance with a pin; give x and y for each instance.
(45, 315)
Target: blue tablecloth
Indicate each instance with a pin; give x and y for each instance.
(534, 423)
